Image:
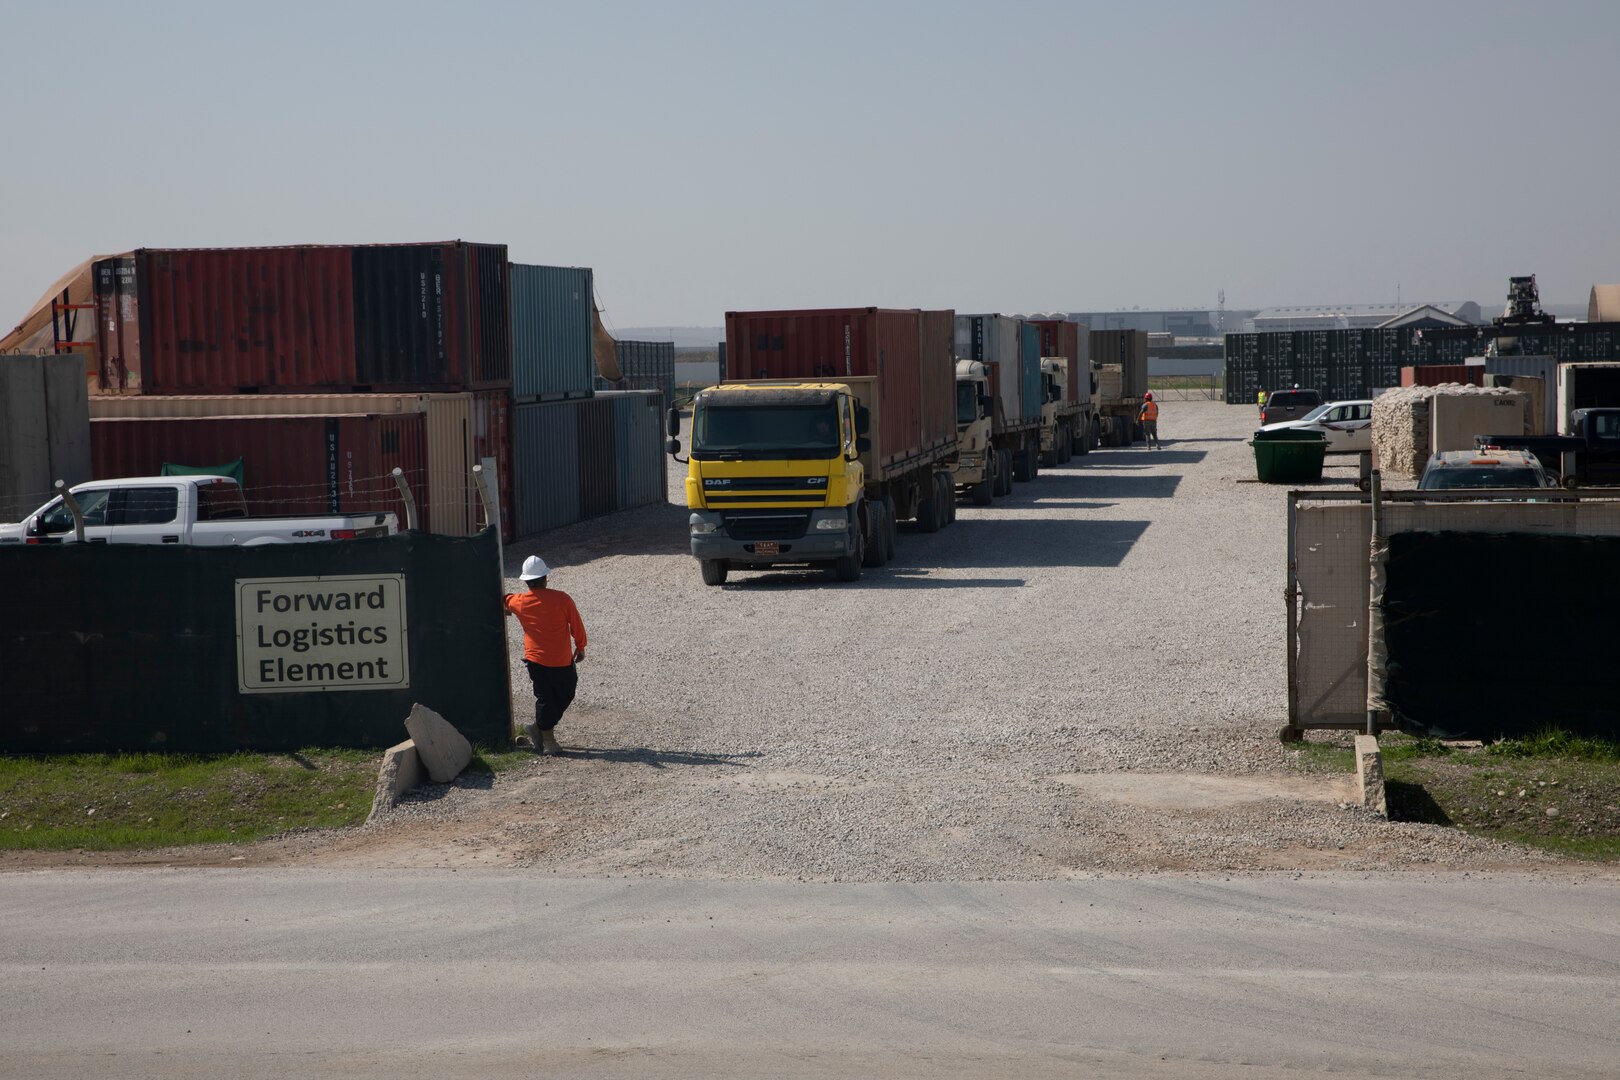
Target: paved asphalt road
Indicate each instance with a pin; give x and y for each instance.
(406, 974)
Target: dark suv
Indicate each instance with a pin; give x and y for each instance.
(1288, 405)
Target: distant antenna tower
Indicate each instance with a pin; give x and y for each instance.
(1220, 308)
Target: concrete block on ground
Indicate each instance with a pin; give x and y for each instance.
(401, 771)
(1370, 774)
(444, 750)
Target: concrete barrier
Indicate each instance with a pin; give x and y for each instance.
(1370, 774)
(401, 771)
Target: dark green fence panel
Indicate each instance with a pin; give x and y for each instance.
(1499, 636)
(135, 647)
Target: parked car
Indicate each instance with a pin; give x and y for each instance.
(1457, 470)
(1346, 425)
(1289, 405)
(206, 511)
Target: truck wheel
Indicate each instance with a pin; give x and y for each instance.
(873, 533)
(981, 492)
(947, 495)
(848, 568)
(1020, 469)
(714, 571)
(1065, 446)
(1049, 458)
(889, 529)
(1004, 473)
(928, 509)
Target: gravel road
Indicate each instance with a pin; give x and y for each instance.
(1088, 675)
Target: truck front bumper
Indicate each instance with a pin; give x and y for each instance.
(813, 546)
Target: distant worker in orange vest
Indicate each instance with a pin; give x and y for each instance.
(553, 643)
(1149, 415)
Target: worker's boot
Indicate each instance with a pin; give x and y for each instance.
(532, 733)
(549, 744)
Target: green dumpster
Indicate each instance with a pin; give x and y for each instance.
(1289, 456)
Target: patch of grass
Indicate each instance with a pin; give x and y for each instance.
(109, 802)
(1555, 743)
(1550, 790)
(490, 760)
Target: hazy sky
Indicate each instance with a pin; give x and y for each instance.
(713, 156)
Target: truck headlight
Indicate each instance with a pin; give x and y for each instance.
(833, 524)
(702, 526)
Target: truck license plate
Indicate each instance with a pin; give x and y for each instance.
(767, 547)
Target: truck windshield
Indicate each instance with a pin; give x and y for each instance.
(967, 402)
(763, 432)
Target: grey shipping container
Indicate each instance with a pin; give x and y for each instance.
(1544, 368)
(44, 407)
(996, 339)
(545, 465)
(582, 458)
(552, 325)
(1128, 349)
(638, 434)
(645, 365)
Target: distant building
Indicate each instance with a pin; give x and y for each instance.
(1178, 322)
(1366, 316)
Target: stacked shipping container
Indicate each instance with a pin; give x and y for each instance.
(1060, 337)
(429, 356)
(1344, 364)
(1015, 348)
(583, 458)
(644, 365)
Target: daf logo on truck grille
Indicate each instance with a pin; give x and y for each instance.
(765, 483)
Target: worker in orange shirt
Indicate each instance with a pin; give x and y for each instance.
(553, 643)
(1149, 415)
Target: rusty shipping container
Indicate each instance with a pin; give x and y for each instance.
(425, 317)
(1061, 337)
(290, 464)
(916, 387)
(462, 430)
(1440, 374)
(1128, 349)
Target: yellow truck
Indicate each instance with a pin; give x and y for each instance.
(848, 430)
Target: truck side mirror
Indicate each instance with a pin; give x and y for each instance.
(673, 447)
(863, 420)
(674, 422)
(862, 444)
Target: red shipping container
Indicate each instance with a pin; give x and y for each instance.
(916, 385)
(290, 464)
(311, 319)
(1060, 337)
(1439, 374)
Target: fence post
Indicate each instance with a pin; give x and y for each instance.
(489, 495)
(1292, 732)
(1377, 558)
(410, 500)
(73, 508)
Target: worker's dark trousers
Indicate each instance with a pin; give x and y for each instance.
(553, 692)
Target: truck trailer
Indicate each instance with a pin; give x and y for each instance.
(839, 424)
(1068, 416)
(1121, 356)
(999, 359)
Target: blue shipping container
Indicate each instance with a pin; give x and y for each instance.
(1029, 357)
(553, 316)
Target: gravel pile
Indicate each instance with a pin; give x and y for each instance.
(1088, 675)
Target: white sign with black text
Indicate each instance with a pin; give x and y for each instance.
(300, 635)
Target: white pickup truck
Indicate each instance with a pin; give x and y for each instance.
(204, 511)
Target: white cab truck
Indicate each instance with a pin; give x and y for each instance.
(1066, 422)
(202, 511)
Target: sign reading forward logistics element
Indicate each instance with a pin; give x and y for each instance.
(300, 635)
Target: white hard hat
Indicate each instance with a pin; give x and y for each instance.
(534, 568)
